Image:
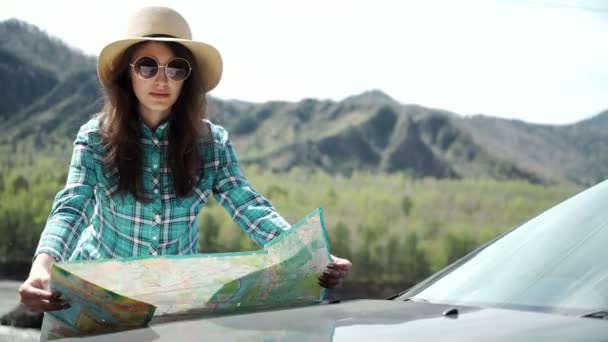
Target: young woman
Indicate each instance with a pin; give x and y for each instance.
(142, 170)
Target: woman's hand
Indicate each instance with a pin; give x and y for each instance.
(35, 291)
(335, 273)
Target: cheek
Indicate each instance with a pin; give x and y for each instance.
(177, 89)
(138, 87)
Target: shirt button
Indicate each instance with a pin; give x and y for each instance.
(154, 238)
(157, 218)
(156, 191)
(155, 141)
(155, 166)
(153, 253)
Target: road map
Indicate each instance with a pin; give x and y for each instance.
(113, 295)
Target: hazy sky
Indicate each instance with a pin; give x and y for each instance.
(540, 60)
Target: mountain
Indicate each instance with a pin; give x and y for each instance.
(42, 50)
(360, 133)
(50, 87)
(47, 100)
(17, 75)
(575, 153)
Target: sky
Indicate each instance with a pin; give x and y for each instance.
(541, 61)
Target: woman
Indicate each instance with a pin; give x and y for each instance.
(149, 162)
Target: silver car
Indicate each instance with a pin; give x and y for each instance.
(546, 280)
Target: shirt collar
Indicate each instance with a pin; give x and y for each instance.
(160, 132)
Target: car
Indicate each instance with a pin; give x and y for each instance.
(546, 280)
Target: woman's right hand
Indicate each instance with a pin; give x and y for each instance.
(35, 291)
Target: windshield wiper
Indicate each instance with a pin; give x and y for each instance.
(602, 314)
(395, 296)
(417, 300)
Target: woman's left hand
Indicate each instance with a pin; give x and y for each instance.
(335, 273)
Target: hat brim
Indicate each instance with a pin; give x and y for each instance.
(208, 59)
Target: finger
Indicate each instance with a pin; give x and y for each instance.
(327, 279)
(323, 280)
(45, 305)
(335, 274)
(54, 306)
(41, 306)
(332, 273)
(36, 301)
(339, 270)
(343, 274)
(343, 265)
(33, 292)
(329, 284)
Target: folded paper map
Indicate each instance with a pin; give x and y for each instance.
(119, 294)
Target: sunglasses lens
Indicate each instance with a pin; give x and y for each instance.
(178, 69)
(146, 67)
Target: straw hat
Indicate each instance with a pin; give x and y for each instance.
(162, 21)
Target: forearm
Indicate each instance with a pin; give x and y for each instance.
(251, 211)
(254, 214)
(60, 236)
(73, 205)
(44, 261)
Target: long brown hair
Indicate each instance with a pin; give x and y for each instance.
(122, 134)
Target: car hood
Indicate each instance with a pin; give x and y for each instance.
(374, 320)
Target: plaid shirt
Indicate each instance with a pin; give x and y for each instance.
(87, 222)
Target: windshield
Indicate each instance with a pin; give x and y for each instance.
(556, 262)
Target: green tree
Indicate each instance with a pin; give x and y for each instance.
(369, 264)
(209, 230)
(340, 241)
(20, 184)
(415, 265)
(274, 191)
(459, 245)
(394, 257)
(406, 205)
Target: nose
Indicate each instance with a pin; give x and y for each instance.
(161, 75)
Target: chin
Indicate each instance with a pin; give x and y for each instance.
(159, 107)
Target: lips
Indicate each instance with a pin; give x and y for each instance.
(159, 95)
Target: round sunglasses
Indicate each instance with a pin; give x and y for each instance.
(145, 67)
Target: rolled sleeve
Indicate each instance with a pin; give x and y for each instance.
(251, 211)
(73, 206)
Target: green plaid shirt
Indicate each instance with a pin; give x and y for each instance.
(87, 222)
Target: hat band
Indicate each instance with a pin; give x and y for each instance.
(159, 35)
